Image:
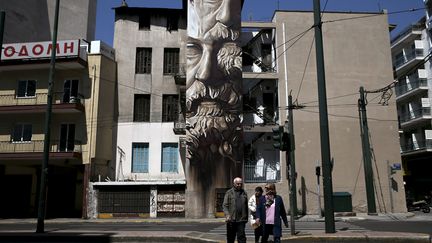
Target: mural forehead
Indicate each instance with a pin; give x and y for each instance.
(203, 15)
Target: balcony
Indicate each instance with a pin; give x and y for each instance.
(179, 128)
(180, 76)
(408, 61)
(62, 103)
(180, 125)
(33, 150)
(260, 172)
(415, 117)
(420, 146)
(407, 35)
(413, 88)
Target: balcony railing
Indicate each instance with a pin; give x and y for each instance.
(419, 145)
(179, 127)
(40, 99)
(180, 76)
(424, 111)
(408, 57)
(407, 30)
(403, 89)
(35, 146)
(261, 173)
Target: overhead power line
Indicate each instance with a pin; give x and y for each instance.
(373, 15)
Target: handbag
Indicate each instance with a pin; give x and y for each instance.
(254, 224)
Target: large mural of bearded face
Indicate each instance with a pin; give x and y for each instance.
(214, 73)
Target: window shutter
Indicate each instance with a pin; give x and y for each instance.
(17, 131)
(31, 87)
(22, 86)
(27, 132)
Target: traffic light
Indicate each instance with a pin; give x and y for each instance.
(280, 138)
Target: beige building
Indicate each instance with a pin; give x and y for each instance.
(81, 125)
(357, 53)
(32, 20)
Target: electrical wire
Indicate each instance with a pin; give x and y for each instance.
(350, 117)
(304, 70)
(373, 15)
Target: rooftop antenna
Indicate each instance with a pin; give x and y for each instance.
(278, 5)
(124, 4)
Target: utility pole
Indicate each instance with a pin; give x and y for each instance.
(2, 23)
(323, 116)
(44, 170)
(367, 163)
(291, 156)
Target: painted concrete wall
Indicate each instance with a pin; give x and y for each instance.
(100, 110)
(32, 20)
(357, 53)
(155, 134)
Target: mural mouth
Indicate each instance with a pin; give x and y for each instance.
(211, 101)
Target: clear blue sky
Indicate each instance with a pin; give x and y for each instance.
(262, 10)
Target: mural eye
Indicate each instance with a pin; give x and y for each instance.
(193, 50)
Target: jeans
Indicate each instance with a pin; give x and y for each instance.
(236, 228)
(258, 233)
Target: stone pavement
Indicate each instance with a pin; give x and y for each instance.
(113, 236)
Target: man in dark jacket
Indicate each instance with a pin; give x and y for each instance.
(270, 213)
(236, 211)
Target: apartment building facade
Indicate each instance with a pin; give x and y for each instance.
(351, 61)
(412, 69)
(81, 125)
(149, 180)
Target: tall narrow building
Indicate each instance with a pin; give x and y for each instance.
(150, 180)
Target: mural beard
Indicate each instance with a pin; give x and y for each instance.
(213, 124)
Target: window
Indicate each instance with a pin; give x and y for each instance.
(172, 22)
(169, 157)
(22, 133)
(141, 108)
(266, 56)
(171, 60)
(143, 60)
(144, 22)
(169, 108)
(70, 89)
(67, 138)
(26, 88)
(140, 157)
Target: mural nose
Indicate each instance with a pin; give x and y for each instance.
(204, 71)
(225, 15)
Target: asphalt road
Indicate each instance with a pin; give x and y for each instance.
(420, 223)
(397, 226)
(110, 227)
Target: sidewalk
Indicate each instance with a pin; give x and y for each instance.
(306, 218)
(114, 236)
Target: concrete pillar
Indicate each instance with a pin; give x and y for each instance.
(213, 103)
(153, 201)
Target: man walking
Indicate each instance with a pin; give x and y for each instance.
(235, 206)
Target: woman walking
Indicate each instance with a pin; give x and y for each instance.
(270, 213)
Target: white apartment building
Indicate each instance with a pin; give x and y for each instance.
(410, 51)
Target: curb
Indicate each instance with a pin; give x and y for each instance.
(358, 238)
